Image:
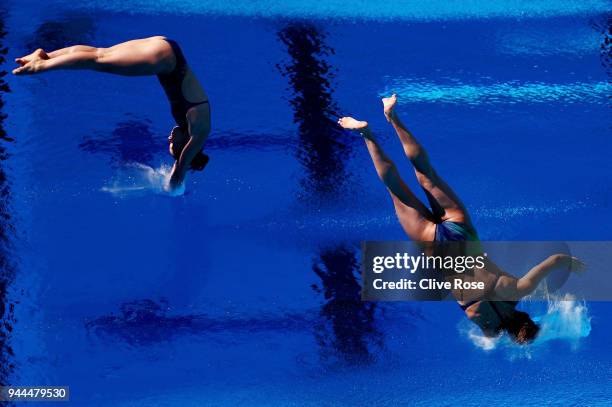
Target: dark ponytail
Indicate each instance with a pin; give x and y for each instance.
(521, 328)
(199, 161)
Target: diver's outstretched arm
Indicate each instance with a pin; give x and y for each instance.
(413, 215)
(516, 289)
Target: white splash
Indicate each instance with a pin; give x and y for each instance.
(481, 341)
(420, 90)
(565, 319)
(137, 179)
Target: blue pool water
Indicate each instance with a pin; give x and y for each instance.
(245, 290)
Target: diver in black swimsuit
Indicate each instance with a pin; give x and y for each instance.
(150, 56)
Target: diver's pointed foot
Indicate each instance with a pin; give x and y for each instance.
(38, 54)
(28, 69)
(359, 126)
(389, 106)
(352, 124)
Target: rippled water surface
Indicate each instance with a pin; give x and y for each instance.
(245, 290)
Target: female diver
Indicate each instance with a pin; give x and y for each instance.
(149, 56)
(493, 310)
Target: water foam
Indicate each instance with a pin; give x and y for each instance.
(415, 90)
(365, 9)
(565, 319)
(137, 179)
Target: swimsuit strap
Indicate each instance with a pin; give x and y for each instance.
(192, 104)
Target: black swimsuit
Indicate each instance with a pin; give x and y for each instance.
(172, 83)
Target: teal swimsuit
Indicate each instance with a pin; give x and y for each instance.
(449, 231)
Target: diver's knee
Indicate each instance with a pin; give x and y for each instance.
(420, 161)
(388, 175)
(426, 177)
(100, 54)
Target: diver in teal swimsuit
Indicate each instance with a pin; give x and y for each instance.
(448, 220)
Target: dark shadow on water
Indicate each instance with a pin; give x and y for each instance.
(322, 148)
(606, 47)
(7, 231)
(604, 26)
(146, 322)
(131, 141)
(63, 32)
(347, 327)
(234, 141)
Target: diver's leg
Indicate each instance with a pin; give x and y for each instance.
(41, 54)
(446, 205)
(74, 48)
(77, 48)
(148, 56)
(414, 217)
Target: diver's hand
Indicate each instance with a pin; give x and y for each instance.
(175, 180)
(174, 186)
(572, 263)
(169, 186)
(174, 189)
(173, 183)
(576, 265)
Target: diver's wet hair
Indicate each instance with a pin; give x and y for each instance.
(199, 161)
(521, 328)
